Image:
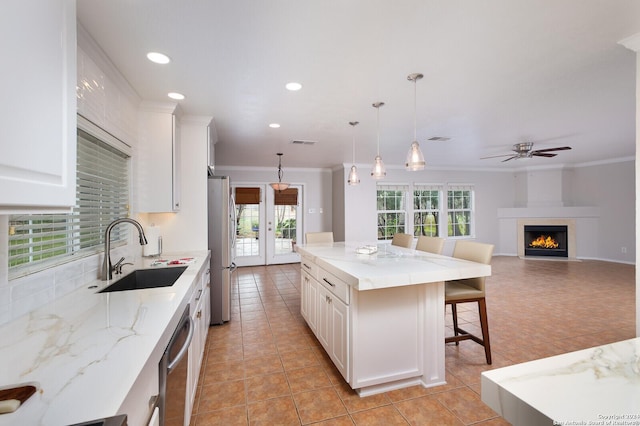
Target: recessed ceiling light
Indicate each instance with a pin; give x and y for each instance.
(274, 125)
(158, 58)
(176, 96)
(293, 86)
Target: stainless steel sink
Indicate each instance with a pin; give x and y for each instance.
(146, 278)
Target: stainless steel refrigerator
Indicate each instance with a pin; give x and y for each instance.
(222, 234)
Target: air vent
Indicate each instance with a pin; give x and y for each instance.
(439, 139)
(302, 142)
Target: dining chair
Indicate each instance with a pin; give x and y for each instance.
(318, 237)
(402, 240)
(430, 244)
(469, 290)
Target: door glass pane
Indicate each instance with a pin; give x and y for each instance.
(286, 228)
(247, 227)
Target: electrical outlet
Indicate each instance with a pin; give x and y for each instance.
(312, 211)
(624, 249)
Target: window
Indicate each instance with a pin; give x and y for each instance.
(391, 209)
(38, 241)
(427, 213)
(426, 210)
(459, 211)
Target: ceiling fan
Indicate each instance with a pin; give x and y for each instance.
(525, 150)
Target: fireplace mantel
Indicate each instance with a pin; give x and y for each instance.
(548, 212)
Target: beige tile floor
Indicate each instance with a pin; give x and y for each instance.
(266, 367)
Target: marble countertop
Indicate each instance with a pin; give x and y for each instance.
(594, 386)
(84, 351)
(390, 266)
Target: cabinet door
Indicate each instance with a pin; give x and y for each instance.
(158, 163)
(38, 115)
(324, 318)
(312, 304)
(339, 335)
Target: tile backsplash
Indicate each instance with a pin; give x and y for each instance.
(23, 295)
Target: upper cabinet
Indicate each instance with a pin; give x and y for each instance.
(38, 115)
(158, 159)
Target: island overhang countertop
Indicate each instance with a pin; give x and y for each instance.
(390, 266)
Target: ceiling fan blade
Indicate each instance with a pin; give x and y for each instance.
(511, 158)
(542, 154)
(559, 148)
(496, 156)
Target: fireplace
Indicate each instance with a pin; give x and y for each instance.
(545, 240)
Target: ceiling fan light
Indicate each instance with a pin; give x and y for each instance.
(378, 170)
(415, 159)
(353, 176)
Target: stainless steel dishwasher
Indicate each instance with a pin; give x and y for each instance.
(173, 373)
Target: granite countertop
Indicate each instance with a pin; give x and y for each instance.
(84, 351)
(593, 386)
(390, 266)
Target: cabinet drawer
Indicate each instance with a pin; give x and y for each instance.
(334, 284)
(311, 268)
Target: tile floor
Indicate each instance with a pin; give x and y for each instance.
(266, 367)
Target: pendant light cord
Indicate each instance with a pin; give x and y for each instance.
(415, 108)
(378, 124)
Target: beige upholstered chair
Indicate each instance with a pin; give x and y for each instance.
(318, 237)
(430, 244)
(402, 240)
(469, 290)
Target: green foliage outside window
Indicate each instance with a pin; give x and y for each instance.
(391, 215)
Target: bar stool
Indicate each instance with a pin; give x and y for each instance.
(402, 240)
(469, 290)
(318, 237)
(430, 244)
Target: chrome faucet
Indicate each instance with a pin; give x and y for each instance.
(107, 268)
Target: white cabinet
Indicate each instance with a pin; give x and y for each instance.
(38, 115)
(200, 314)
(324, 307)
(309, 301)
(158, 159)
(139, 405)
(332, 330)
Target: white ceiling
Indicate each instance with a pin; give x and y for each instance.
(496, 72)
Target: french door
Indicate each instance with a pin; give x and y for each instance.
(269, 224)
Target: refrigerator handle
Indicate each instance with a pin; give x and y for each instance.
(234, 219)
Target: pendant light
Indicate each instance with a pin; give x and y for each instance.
(280, 185)
(378, 171)
(415, 159)
(353, 174)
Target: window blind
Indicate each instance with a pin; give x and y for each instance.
(286, 197)
(247, 195)
(38, 241)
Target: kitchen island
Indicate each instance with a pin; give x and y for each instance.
(380, 316)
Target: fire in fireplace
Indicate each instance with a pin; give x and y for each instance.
(545, 240)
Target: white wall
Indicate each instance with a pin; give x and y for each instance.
(611, 188)
(316, 189)
(493, 190)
